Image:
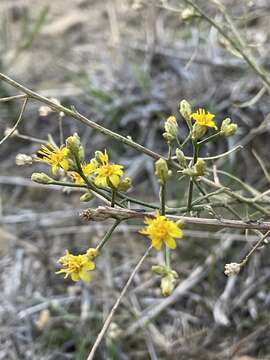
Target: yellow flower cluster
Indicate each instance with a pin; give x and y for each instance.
(56, 157)
(204, 118)
(162, 230)
(87, 170)
(107, 174)
(99, 169)
(78, 266)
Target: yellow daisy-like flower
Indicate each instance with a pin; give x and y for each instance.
(204, 118)
(108, 174)
(77, 266)
(54, 156)
(161, 230)
(87, 169)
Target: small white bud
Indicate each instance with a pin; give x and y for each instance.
(232, 269)
(23, 160)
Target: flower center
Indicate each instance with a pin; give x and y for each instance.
(107, 170)
(161, 231)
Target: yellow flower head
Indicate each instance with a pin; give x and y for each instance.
(204, 118)
(161, 230)
(108, 174)
(77, 266)
(54, 156)
(87, 169)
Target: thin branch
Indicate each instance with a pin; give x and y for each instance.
(106, 212)
(114, 308)
(8, 135)
(76, 115)
(234, 43)
(15, 97)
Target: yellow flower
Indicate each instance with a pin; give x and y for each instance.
(87, 169)
(54, 156)
(107, 174)
(77, 266)
(204, 118)
(161, 230)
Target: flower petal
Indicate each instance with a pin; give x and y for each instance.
(75, 276)
(84, 276)
(170, 242)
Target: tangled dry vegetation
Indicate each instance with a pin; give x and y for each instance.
(126, 67)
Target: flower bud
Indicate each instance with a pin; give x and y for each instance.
(92, 253)
(73, 143)
(198, 131)
(162, 171)
(41, 178)
(200, 167)
(189, 171)
(99, 156)
(168, 137)
(23, 159)
(181, 158)
(185, 111)
(125, 184)
(160, 270)
(81, 154)
(167, 284)
(227, 128)
(232, 269)
(171, 127)
(87, 197)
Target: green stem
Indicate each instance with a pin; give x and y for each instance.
(107, 235)
(88, 183)
(196, 148)
(113, 197)
(162, 199)
(163, 212)
(169, 151)
(201, 190)
(209, 138)
(185, 141)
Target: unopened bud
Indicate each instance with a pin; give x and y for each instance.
(232, 269)
(200, 167)
(125, 184)
(160, 269)
(87, 197)
(171, 127)
(168, 137)
(162, 172)
(92, 253)
(185, 111)
(189, 171)
(41, 178)
(227, 128)
(73, 143)
(181, 158)
(23, 160)
(198, 131)
(99, 156)
(167, 284)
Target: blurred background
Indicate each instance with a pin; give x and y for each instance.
(126, 65)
